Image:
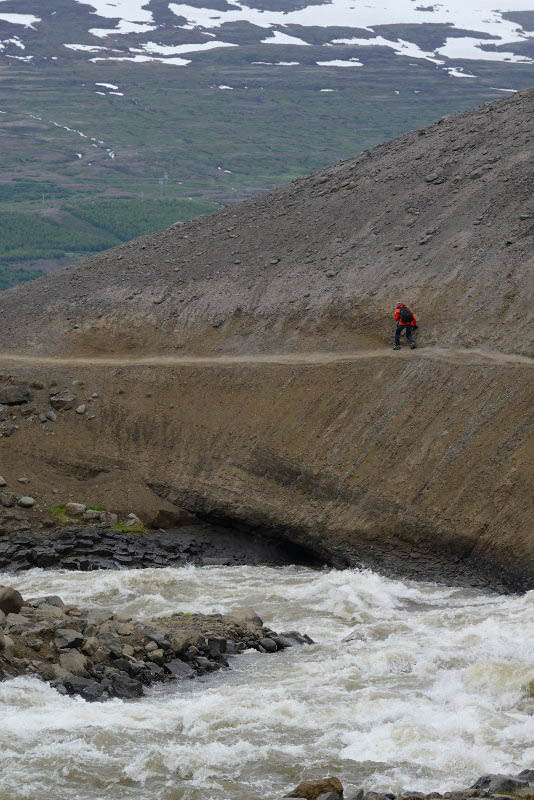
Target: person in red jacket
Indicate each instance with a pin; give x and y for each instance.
(406, 321)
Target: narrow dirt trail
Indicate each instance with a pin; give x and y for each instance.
(456, 356)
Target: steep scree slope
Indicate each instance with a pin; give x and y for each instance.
(443, 218)
(406, 458)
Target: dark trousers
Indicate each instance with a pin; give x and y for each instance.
(409, 333)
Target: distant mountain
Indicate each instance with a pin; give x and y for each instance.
(147, 105)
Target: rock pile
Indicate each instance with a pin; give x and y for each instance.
(99, 654)
(17, 404)
(492, 786)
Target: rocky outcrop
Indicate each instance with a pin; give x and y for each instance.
(86, 548)
(100, 654)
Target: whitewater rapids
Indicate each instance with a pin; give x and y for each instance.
(427, 694)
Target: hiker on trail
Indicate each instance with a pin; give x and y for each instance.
(406, 321)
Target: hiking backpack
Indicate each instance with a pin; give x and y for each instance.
(405, 316)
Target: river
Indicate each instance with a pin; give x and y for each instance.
(427, 694)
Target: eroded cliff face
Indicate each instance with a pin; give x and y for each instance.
(421, 463)
(418, 459)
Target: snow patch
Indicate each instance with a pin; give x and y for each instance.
(28, 20)
(87, 48)
(222, 86)
(181, 62)
(400, 47)
(481, 17)
(278, 63)
(458, 72)
(277, 37)
(107, 85)
(467, 47)
(167, 50)
(123, 27)
(329, 90)
(339, 63)
(131, 10)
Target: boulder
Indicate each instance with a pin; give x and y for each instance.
(26, 501)
(15, 395)
(75, 509)
(179, 669)
(65, 637)
(246, 616)
(126, 687)
(73, 662)
(81, 409)
(89, 689)
(3, 481)
(268, 644)
(4, 413)
(109, 518)
(63, 401)
(10, 600)
(497, 784)
(312, 790)
(290, 638)
(6, 500)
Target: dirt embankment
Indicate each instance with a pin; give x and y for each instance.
(419, 463)
(423, 459)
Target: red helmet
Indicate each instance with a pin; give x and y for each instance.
(400, 305)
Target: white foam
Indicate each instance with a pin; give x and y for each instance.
(426, 694)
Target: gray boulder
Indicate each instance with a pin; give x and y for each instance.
(179, 669)
(6, 500)
(75, 508)
(63, 401)
(497, 784)
(15, 395)
(65, 637)
(88, 689)
(10, 600)
(26, 501)
(246, 616)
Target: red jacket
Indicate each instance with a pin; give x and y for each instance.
(396, 317)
